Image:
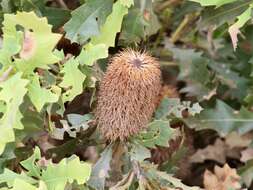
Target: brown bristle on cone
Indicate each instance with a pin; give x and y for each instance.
(127, 94)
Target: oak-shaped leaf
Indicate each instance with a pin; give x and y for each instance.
(234, 30)
(100, 170)
(35, 41)
(112, 24)
(87, 20)
(226, 13)
(39, 95)
(173, 107)
(68, 170)
(158, 133)
(72, 80)
(223, 119)
(223, 178)
(78, 123)
(30, 164)
(246, 172)
(90, 53)
(12, 93)
(9, 177)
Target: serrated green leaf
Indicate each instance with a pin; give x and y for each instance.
(223, 14)
(100, 170)
(152, 24)
(244, 17)
(56, 176)
(159, 133)
(32, 120)
(238, 84)
(162, 110)
(38, 41)
(52, 176)
(56, 17)
(76, 119)
(174, 107)
(91, 53)
(30, 165)
(139, 152)
(9, 177)
(246, 172)
(176, 182)
(193, 69)
(133, 26)
(39, 95)
(227, 13)
(98, 47)
(112, 26)
(234, 29)
(59, 54)
(11, 46)
(72, 80)
(87, 19)
(20, 184)
(191, 63)
(12, 93)
(127, 3)
(78, 122)
(213, 2)
(223, 119)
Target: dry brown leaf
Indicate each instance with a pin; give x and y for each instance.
(234, 140)
(219, 151)
(222, 179)
(210, 94)
(234, 31)
(125, 183)
(216, 152)
(247, 155)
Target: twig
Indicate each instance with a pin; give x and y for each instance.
(188, 19)
(125, 182)
(136, 168)
(62, 4)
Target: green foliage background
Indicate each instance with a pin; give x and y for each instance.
(205, 45)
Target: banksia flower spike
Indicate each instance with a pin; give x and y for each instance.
(128, 94)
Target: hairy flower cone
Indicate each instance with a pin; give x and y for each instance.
(128, 94)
